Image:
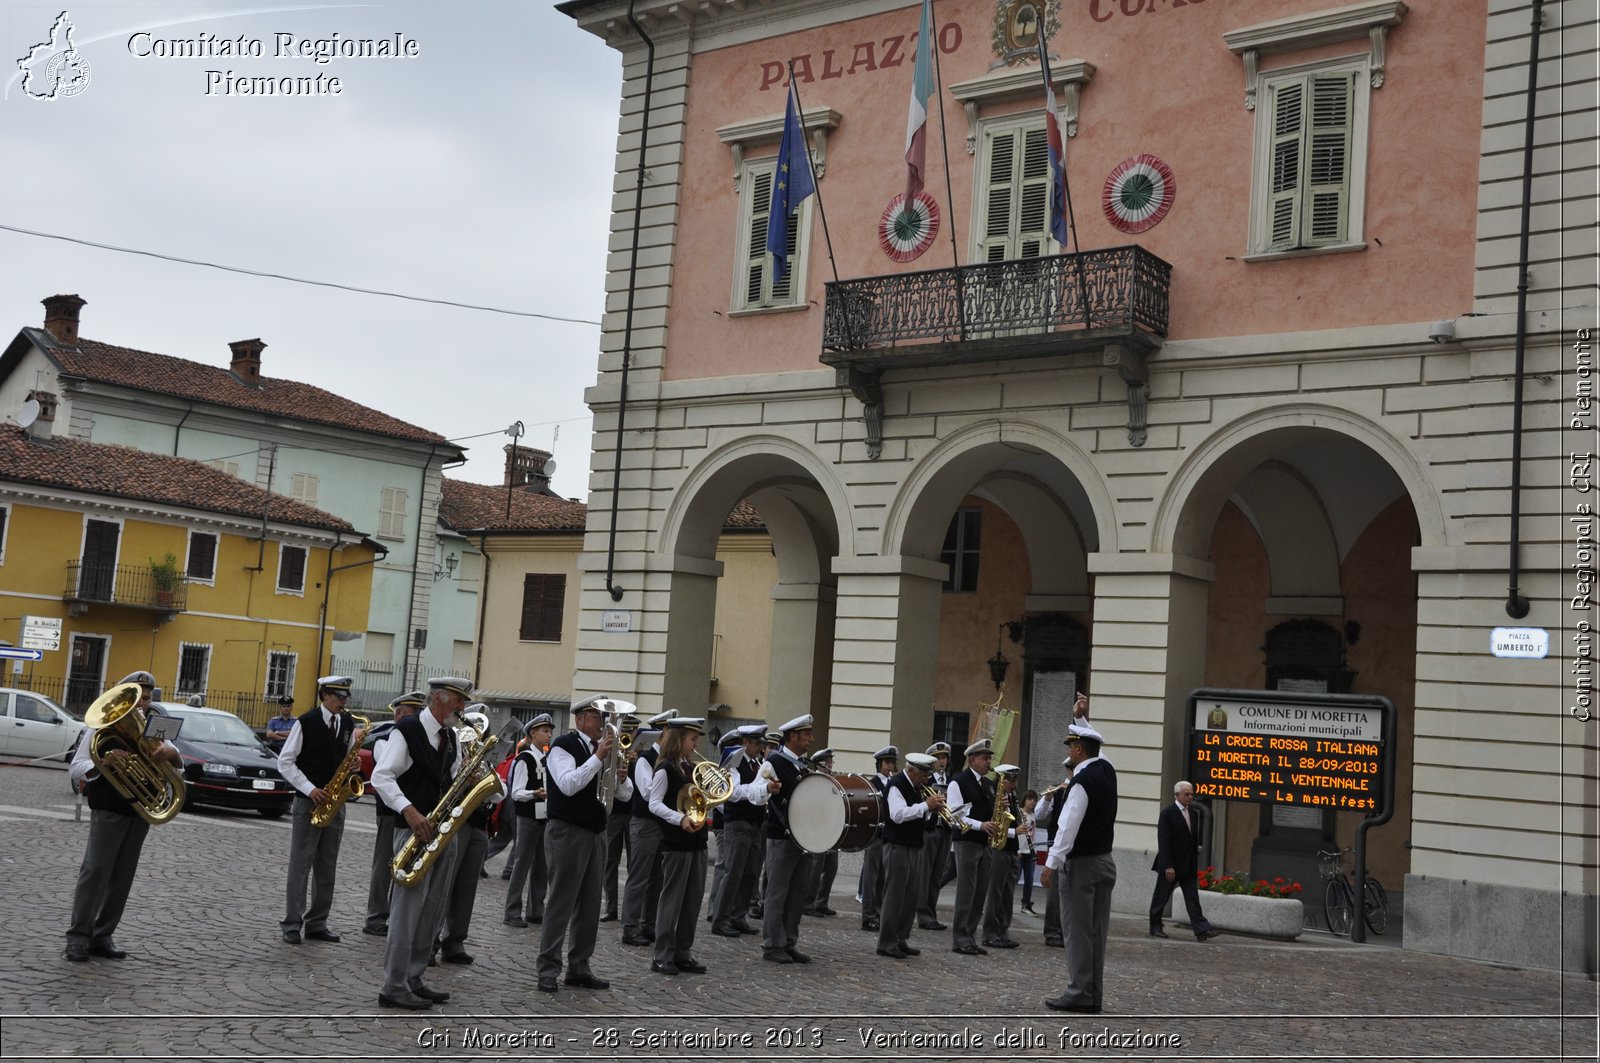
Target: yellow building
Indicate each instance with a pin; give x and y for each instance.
(146, 561)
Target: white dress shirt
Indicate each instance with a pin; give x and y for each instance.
(290, 753)
(956, 800)
(656, 795)
(901, 812)
(1071, 820)
(82, 769)
(571, 777)
(393, 759)
(519, 786)
(755, 791)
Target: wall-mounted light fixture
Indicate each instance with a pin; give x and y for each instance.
(449, 569)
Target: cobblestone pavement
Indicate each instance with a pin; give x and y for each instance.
(209, 978)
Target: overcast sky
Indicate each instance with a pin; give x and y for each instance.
(478, 171)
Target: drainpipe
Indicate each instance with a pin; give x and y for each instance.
(177, 432)
(483, 603)
(380, 553)
(627, 324)
(416, 562)
(1516, 605)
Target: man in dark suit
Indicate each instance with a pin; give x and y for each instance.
(1177, 846)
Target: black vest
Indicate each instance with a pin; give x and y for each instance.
(99, 792)
(536, 779)
(674, 838)
(745, 811)
(1058, 805)
(788, 773)
(582, 809)
(640, 803)
(976, 791)
(910, 832)
(425, 782)
(321, 750)
(1096, 832)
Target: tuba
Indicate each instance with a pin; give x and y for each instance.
(709, 786)
(155, 787)
(346, 784)
(606, 788)
(472, 786)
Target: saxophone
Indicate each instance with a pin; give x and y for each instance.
(346, 784)
(1003, 816)
(473, 785)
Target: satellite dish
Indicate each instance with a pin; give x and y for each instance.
(549, 469)
(28, 414)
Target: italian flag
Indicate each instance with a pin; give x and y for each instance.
(917, 120)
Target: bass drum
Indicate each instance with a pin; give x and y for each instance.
(829, 812)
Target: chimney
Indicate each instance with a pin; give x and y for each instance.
(61, 317)
(525, 468)
(246, 364)
(43, 426)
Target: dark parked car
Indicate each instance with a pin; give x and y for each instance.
(225, 764)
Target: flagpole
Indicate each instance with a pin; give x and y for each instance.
(944, 144)
(800, 112)
(1066, 183)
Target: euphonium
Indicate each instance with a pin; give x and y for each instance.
(1003, 817)
(614, 710)
(472, 786)
(346, 783)
(709, 786)
(155, 787)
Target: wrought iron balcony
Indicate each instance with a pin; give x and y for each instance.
(1112, 302)
(132, 586)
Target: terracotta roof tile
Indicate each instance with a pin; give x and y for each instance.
(482, 507)
(123, 472)
(166, 375)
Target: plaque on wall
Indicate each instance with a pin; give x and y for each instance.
(1048, 716)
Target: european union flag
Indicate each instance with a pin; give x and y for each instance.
(791, 184)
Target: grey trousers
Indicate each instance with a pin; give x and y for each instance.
(415, 915)
(110, 860)
(1052, 916)
(1001, 895)
(903, 878)
(577, 859)
(529, 871)
(870, 885)
(644, 875)
(616, 841)
(683, 886)
(972, 881)
(313, 851)
(935, 852)
(822, 881)
(789, 870)
(737, 853)
(1085, 886)
(474, 845)
(380, 882)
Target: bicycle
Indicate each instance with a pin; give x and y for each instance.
(1338, 897)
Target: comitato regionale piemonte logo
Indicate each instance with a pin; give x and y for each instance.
(54, 69)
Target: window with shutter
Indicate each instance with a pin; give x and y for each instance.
(202, 556)
(303, 488)
(392, 514)
(754, 287)
(292, 569)
(1014, 205)
(5, 523)
(962, 541)
(1310, 157)
(543, 599)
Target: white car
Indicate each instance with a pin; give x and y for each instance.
(33, 726)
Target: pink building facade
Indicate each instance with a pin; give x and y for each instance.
(1254, 429)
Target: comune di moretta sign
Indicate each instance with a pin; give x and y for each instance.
(1277, 747)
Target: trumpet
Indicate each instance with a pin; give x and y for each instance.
(954, 818)
(346, 784)
(155, 787)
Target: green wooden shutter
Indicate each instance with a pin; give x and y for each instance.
(1016, 207)
(1033, 215)
(756, 256)
(1327, 169)
(999, 194)
(1283, 190)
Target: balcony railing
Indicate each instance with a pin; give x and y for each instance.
(133, 586)
(997, 306)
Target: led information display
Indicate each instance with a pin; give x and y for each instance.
(1289, 752)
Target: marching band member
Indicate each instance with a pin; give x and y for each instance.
(972, 847)
(414, 769)
(574, 844)
(727, 748)
(773, 742)
(869, 888)
(644, 844)
(116, 839)
(617, 824)
(474, 846)
(309, 758)
(683, 851)
(789, 867)
(528, 789)
(1002, 887)
(1048, 817)
(937, 851)
(740, 850)
(380, 882)
(827, 864)
(903, 840)
(1081, 856)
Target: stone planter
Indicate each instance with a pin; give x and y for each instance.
(1273, 917)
